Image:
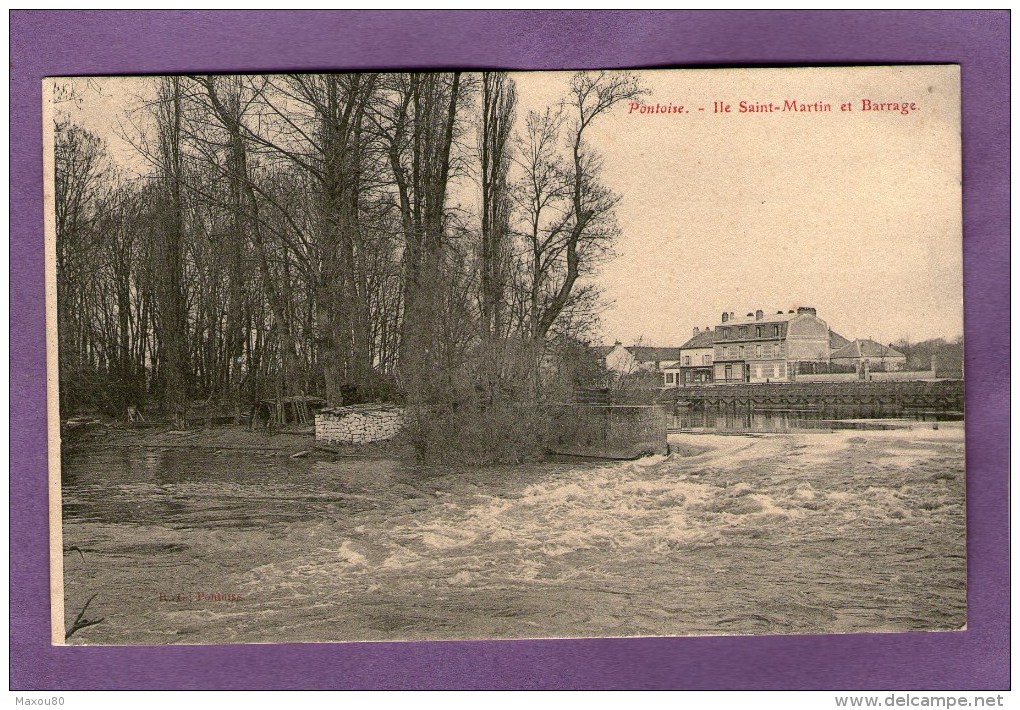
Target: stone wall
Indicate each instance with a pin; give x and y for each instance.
(358, 424)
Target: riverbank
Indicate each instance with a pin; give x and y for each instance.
(791, 533)
(291, 441)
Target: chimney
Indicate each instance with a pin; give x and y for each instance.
(806, 309)
(617, 344)
(725, 316)
(731, 316)
(791, 311)
(696, 330)
(759, 314)
(779, 313)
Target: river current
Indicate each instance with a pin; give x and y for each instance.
(792, 533)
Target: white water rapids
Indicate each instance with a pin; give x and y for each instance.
(799, 533)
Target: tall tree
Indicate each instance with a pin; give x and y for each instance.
(419, 127)
(80, 190)
(499, 104)
(169, 250)
(591, 222)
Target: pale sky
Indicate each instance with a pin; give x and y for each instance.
(855, 213)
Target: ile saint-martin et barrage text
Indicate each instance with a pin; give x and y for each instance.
(786, 106)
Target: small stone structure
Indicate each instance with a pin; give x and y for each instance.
(358, 424)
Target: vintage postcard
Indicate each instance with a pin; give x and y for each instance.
(499, 355)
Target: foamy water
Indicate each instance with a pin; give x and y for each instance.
(806, 533)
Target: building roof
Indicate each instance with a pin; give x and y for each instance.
(704, 339)
(866, 348)
(642, 353)
(837, 341)
(602, 350)
(739, 319)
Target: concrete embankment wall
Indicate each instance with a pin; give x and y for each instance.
(358, 424)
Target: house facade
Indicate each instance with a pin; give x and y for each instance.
(762, 347)
(694, 367)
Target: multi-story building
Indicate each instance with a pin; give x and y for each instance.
(695, 364)
(770, 348)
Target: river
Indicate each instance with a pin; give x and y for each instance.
(791, 533)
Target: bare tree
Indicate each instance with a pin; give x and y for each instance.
(418, 124)
(499, 103)
(81, 190)
(566, 214)
(169, 250)
(591, 222)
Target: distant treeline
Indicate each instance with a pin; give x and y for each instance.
(946, 357)
(354, 236)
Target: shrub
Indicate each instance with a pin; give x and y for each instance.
(471, 434)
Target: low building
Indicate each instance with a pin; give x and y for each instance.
(864, 355)
(633, 359)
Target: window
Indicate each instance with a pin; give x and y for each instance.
(757, 331)
(729, 372)
(687, 360)
(741, 352)
(757, 351)
(669, 378)
(706, 359)
(743, 331)
(775, 331)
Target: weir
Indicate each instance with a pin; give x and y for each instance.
(779, 406)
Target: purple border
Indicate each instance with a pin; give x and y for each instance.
(58, 43)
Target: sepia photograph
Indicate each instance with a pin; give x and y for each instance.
(406, 356)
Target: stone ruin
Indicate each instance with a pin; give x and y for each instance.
(358, 424)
